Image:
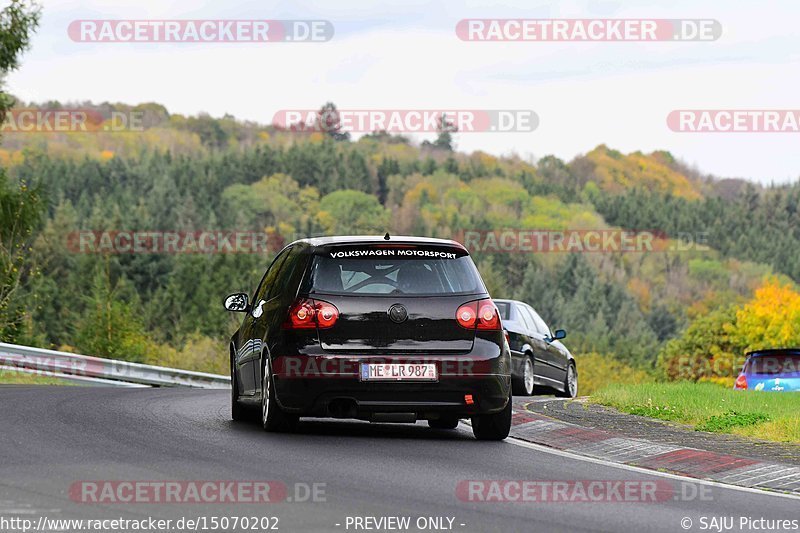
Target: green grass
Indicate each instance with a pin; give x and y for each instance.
(726, 422)
(20, 378)
(709, 407)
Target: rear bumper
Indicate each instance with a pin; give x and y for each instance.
(321, 386)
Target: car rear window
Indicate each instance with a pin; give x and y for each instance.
(394, 271)
(504, 308)
(774, 364)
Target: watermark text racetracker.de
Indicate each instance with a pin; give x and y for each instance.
(199, 31)
(579, 491)
(729, 365)
(171, 242)
(407, 120)
(36, 120)
(734, 120)
(219, 491)
(588, 30)
(80, 366)
(579, 241)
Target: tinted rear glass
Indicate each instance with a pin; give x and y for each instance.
(774, 364)
(504, 308)
(396, 271)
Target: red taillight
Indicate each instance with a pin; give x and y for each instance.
(327, 314)
(301, 315)
(741, 382)
(309, 314)
(487, 316)
(480, 314)
(467, 314)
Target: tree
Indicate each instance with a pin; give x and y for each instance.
(18, 20)
(388, 167)
(329, 122)
(110, 326)
(276, 202)
(704, 350)
(20, 213)
(771, 319)
(662, 322)
(714, 345)
(446, 128)
(444, 140)
(346, 212)
(20, 205)
(555, 171)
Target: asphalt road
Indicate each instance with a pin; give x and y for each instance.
(53, 437)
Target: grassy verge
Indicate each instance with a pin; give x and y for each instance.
(20, 378)
(596, 371)
(710, 407)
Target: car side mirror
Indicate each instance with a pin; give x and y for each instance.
(559, 334)
(237, 302)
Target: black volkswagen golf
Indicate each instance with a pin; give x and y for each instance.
(385, 329)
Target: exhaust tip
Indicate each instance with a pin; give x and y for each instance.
(342, 408)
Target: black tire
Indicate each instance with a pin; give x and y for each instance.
(523, 385)
(445, 422)
(273, 418)
(570, 383)
(239, 412)
(493, 427)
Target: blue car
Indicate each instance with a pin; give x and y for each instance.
(771, 370)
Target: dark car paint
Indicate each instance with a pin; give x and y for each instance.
(551, 357)
(249, 341)
(262, 339)
(424, 331)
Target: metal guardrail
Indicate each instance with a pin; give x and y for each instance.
(99, 371)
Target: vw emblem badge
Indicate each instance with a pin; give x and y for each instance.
(398, 313)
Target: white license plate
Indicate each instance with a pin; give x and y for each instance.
(398, 372)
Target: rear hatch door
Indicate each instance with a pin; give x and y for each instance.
(395, 298)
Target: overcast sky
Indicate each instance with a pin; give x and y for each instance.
(405, 55)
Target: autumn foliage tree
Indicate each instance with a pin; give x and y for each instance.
(771, 319)
(706, 349)
(714, 345)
